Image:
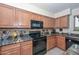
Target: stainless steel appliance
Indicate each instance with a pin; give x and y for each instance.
(39, 43)
(70, 41)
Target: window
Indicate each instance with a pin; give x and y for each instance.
(76, 24)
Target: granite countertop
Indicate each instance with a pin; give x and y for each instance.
(66, 35)
(14, 41)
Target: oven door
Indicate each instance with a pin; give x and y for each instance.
(39, 47)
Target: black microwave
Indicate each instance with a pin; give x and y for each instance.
(36, 24)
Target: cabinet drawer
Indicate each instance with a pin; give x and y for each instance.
(14, 51)
(26, 43)
(8, 47)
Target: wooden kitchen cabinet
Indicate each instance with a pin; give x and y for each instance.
(52, 22)
(36, 17)
(48, 22)
(13, 49)
(0, 50)
(51, 42)
(64, 23)
(57, 23)
(12, 17)
(56, 41)
(61, 43)
(22, 48)
(7, 16)
(26, 48)
(22, 18)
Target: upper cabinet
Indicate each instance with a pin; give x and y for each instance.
(57, 22)
(51, 22)
(36, 17)
(7, 16)
(48, 22)
(62, 22)
(11, 17)
(22, 18)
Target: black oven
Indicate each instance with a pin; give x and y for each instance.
(36, 24)
(39, 43)
(39, 46)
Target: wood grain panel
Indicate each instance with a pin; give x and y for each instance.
(7, 16)
(26, 48)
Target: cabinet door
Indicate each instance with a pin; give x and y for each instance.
(57, 23)
(13, 49)
(54, 41)
(26, 48)
(50, 42)
(23, 18)
(51, 24)
(7, 16)
(53, 20)
(0, 50)
(34, 16)
(64, 22)
(61, 42)
(40, 17)
(46, 22)
(49, 45)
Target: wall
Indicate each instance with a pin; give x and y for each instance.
(62, 13)
(71, 22)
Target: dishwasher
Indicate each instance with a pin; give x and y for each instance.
(70, 41)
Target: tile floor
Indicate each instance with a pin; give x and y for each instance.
(55, 51)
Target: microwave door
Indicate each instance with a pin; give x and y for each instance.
(36, 24)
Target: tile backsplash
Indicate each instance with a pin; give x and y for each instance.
(26, 31)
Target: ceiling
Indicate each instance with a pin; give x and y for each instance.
(56, 7)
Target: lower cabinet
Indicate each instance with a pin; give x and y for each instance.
(51, 43)
(13, 49)
(61, 43)
(0, 50)
(26, 48)
(23, 48)
(56, 41)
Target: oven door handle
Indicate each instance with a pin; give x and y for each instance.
(38, 40)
